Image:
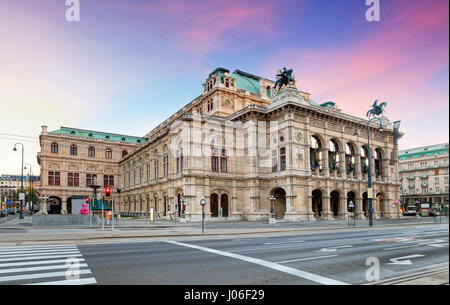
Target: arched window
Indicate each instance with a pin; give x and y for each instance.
(315, 153)
(333, 156)
(91, 152)
(124, 153)
(349, 158)
(108, 153)
(364, 160)
(54, 148)
(73, 150)
(378, 163)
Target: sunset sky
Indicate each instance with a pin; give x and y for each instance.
(126, 66)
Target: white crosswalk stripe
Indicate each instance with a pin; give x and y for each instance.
(44, 265)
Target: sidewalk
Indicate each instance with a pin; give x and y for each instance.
(20, 230)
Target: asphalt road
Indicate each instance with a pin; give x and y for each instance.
(328, 258)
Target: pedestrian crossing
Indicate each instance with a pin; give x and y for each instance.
(44, 265)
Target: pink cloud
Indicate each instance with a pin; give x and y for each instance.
(199, 27)
(395, 62)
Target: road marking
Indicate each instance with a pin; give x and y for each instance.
(39, 275)
(53, 261)
(28, 269)
(38, 251)
(306, 259)
(33, 254)
(263, 248)
(85, 281)
(285, 242)
(38, 257)
(299, 273)
(403, 260)
(333, 249)
(24, 248)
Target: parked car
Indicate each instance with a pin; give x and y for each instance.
(410, 211)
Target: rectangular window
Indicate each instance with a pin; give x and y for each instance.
(57, 178)
(140, 174)
(70, 179)
(108, 181)
(134, 177)
(274, 161)
(76, 179)
(436, 180)
(282, 159)
(166, 166)
(215, 163)
(147, 169)
(90, 179)
(223, 164)
(156, 166)
(51, 178)
(180, 160)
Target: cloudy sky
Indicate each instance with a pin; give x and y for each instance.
(126, 66)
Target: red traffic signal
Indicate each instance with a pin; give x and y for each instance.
(87, 200)
(107, 191)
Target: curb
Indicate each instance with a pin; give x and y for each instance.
(202, 234)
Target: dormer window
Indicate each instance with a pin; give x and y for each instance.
(227, 82)
(72, 132)
(90, 135)
(123, 139)
(107, 137)
(139, 141)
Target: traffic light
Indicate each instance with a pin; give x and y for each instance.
(87, 200)
(107, 191)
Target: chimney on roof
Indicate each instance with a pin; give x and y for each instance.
(44, 129)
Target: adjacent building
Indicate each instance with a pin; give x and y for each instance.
(72, 160)
(424, 174)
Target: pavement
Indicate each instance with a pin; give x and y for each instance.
(387, 255)
(19, 231)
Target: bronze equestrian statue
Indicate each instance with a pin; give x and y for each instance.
(376, 109)
(285, 78)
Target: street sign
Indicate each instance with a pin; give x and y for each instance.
(351, 206)
(22, 196)
(203, 202)
(8, 202)
(371, 210)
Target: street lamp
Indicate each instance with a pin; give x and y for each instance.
(272, 214)
(183, 204)
(369, 191)
(21, 181)
(30, 181)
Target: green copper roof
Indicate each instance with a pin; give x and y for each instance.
(247, 81)
(426, 151)
(328, 105)
(99, 135)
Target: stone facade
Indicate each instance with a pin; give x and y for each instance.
(69, 155)
(240, 143)
(424, 174)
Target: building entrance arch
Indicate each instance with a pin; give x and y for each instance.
(279, 204)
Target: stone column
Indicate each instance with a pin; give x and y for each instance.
(359, 212)
(343, 170)
(64, 206)
(326, 212)
(342, 214)
(358, 166)
(325, 167)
